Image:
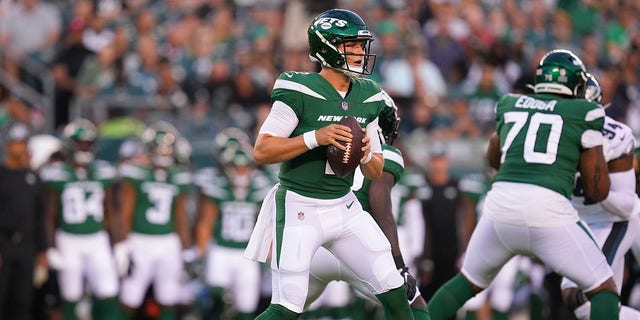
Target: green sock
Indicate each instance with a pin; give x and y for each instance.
(339, 312)
(497, 315)
(471, 315)
(420, 313)
(244, 316)
(167, 313)
(106, 309)
(450, 297)
(395, 303)
(69, 310)
(217, 302)
(535, 307)
(605, 305)
(277, 312)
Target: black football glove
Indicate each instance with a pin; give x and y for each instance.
(410, 283)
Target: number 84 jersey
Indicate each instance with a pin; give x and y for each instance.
(80, 194)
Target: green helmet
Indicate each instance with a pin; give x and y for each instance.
(561, 72)
(331, 29)
(160, 138)
(79, 138)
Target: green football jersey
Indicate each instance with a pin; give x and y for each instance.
(80, 194)
(393, 163)
(406, 189)
(237, 208)
(317, 104)
(156, 192)
(541, 138)
(474, 186)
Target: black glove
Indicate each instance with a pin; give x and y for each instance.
(410, 283)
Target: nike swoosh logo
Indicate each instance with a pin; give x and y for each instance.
(350, 204)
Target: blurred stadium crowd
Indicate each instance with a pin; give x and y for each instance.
(208, 65)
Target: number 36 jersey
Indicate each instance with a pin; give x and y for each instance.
(542, 136)
(156, 193)
(80, 194)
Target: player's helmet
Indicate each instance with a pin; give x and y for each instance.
(160, 139)
(561, 72)
(230, 140)
(389, 123)
(593, 91)
(79, 138)
(329, 30)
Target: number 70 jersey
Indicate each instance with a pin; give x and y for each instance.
(542, 136)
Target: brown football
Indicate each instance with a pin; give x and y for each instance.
(344, 163)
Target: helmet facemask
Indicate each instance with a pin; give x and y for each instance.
(84, 152)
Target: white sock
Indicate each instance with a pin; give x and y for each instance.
(627, 313)
(584, 311)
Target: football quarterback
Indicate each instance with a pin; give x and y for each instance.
(312, 206)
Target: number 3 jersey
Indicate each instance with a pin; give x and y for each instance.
(542, 137)
(80, 194)
(237, 208)
(618, 141)
(156, 193)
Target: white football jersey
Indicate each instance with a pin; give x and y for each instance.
(618, 141)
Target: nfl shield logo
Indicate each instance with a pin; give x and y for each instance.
(345, 106)
(300, 215)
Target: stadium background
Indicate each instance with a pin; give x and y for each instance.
(208, 65)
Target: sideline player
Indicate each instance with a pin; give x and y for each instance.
(155, 226)
(614, 222)
(313, 207)
(541, 140)
(78, 192)
(229, 203)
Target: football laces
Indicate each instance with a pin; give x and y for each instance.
(345, 158)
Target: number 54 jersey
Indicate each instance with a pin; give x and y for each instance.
(156, 192)
(542, 137)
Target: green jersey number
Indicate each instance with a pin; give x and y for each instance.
(160, 210)
(78, 204)
(519, 120)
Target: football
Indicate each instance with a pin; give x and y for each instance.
(344, 163)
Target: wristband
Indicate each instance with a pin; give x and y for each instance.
(310, 139)
(368, 158)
